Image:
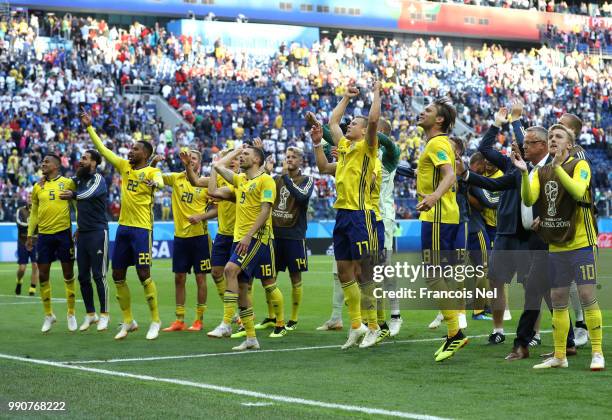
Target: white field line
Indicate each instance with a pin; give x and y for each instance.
(37, 298)
(200, 355)
(19, 303)
(228, 390)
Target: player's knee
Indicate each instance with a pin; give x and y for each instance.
(231, 271)
(559, 296)
(587, 294)
(179, 279)
(143, 274)
(217, 273)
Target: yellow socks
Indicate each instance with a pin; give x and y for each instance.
(220, 285)
(125, 301)
(368, 304)
(70, 295)
(352, 297)
(275, 298)
(151, 297)
(180, 313)
(229, 306)
(45, 296)
(381, 316)
(560, 323)
(296, 299)
(452, 321)
(246, 316)
(200, 309)
(592, 317)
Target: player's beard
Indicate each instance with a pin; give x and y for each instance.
(83, 172)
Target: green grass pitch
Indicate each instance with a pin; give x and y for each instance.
(304, 374)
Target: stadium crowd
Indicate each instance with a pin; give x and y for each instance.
(573, 7)
(231, 96)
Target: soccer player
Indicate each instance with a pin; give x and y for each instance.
(224, 193)
(133, 239)
(479, 243)
(353, 231)
(52, 218)
(389, 158)
(191, 242)
(439, 211)
(289, 220)
(253, 248)
(24, 256)
(91, 237)
(561, 191)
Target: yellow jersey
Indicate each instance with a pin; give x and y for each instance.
(375, 193)
(226, 217)
(356, 161)
(250, 194)
(136, 195)
(187, 200)
(490, 215)
(49, 213)
(586, 234)
(438, 151)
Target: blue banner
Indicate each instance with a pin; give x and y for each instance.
(258, 39)
(407, 236)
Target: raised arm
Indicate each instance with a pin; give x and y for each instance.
(325, 167)
(373, 117)
(104, 151)
(194, 179)
(486, 146)
(221, 165)
(517, 126)
(391, 153)
(338, 113)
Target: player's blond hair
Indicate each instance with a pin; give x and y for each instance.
(570, 133)
(297, 151)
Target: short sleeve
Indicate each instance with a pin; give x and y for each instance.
(439, 153)
(71, 184)
(268, 190)
(35, 191)
(156, 176)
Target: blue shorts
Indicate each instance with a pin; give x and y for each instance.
(55, 246)
(257, 262)
(479, 247)
(132, 247)
(290, 254)
(492, 232)
(578, 265)
(24, 256)
(461, 243)
(191, 253)
(353, 233)
(221, 250)
(380, 242)
(438, 243)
